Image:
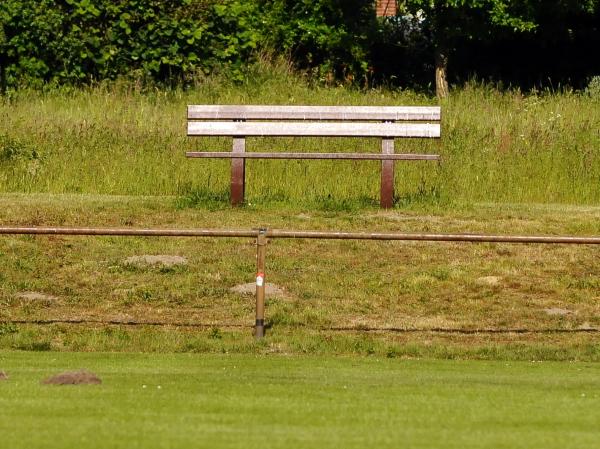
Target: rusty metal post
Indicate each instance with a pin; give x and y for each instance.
(261, 249)
(386, 199)
(238, 172)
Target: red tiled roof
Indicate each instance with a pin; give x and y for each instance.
(386, 8)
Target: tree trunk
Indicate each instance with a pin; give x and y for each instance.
(441, 20)
(441, 69)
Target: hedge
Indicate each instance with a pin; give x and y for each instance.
(79, 41)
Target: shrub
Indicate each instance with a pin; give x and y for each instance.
(593, 87)
(78, 41)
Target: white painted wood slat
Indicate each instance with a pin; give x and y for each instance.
(276, 112)
(313, 129)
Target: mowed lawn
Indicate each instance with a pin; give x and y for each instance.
(192, 400)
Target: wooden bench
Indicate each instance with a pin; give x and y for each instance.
(387, 123)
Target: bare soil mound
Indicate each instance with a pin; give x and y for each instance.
(81, 377)
(37, 297)
(250, 289)
(489, 280)
(3, 376)
(558, 311)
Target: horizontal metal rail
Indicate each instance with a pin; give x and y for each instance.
(331, 235)
(129, 232)
(262, 235)
(327, 156)
(481, 238)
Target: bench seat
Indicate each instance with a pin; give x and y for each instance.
(385, 122)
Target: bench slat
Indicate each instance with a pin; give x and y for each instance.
(313, 129)
(349, 156)
(266, 112)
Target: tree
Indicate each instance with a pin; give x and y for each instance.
(448, 20)
(330, 37)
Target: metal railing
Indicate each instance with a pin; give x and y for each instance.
(262, 235)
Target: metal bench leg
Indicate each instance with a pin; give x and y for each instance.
(386, 199)
(238, 173)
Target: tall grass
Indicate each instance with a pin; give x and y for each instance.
(497, 146)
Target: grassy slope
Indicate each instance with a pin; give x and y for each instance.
(247, 401)
(497, 147)
(418, 287)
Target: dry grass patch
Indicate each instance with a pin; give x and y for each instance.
(81, 377)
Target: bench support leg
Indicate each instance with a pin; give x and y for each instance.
(238, 173)
(386, 198)
(261, 249)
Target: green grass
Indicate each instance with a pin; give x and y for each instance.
(496, 146)
(113, 155)
(418, 288)
(232, 401)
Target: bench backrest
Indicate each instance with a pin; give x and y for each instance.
(315, 121)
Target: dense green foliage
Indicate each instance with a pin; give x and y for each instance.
(75, 41)
(80, 41)
(331, 36)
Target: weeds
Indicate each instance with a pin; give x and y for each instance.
(8, 328)
(593, 88)
(204, 198)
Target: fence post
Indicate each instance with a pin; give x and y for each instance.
(261, 249)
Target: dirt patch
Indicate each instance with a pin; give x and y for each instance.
(250, 289)
(156, 260)
(81, 377)
(3, 376)
(37, 297)
(123, 292)
(558, 311)
(400, 217)
(405, 322)
(489, 280)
